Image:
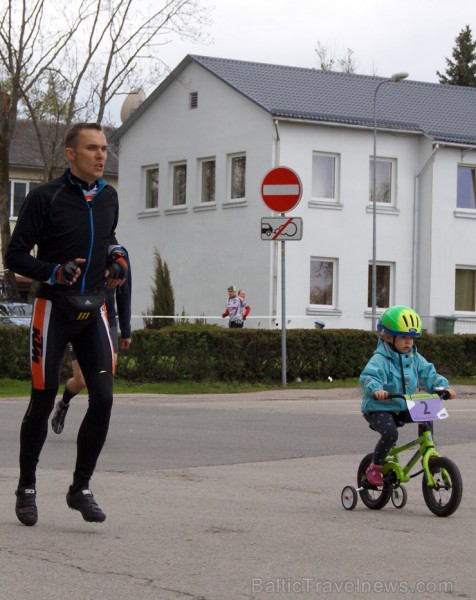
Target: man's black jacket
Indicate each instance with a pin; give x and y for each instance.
(63, 225)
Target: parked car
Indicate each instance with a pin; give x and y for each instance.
(16, 313)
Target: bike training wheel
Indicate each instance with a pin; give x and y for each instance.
(349, 497)
(372, 496)
(399, 496)
(445, 497)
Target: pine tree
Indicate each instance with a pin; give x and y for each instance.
(163, 299)
(462, 69)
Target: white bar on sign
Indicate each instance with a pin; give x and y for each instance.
(281, 190)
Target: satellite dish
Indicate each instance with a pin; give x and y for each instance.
(133, 100)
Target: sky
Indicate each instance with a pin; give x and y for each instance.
(386, 36)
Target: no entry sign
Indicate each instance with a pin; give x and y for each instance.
(281, 189)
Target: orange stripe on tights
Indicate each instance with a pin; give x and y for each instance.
(37, 346)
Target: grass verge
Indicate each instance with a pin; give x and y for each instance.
(12, 388)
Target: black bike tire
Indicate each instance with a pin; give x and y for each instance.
(373, 497)
(456, 491)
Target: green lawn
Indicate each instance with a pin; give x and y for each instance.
(11, 388)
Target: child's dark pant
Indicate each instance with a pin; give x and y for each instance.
(386, 423)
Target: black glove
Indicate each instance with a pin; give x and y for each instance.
(118, 269)
(66, 272)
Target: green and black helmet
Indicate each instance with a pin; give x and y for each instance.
(400, 320)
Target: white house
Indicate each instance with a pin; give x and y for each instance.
(193, 156)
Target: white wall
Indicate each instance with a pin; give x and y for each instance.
(345, 232)
(453, 232)
(206, 250)
(209, 248)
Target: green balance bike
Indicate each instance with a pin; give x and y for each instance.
(442, 485)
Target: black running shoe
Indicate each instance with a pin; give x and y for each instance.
(83, 500)
(25, 507)
(59, 415)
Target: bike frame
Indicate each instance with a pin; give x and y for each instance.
(426, 450)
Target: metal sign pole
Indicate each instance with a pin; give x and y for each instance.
(283, 313)
(281, 190)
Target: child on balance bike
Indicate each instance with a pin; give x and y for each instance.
(396, 367)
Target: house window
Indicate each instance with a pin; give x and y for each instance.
(179, 184)
(384, 279)
(323, 282)
(208, 180)
(238, 176)
(466, 187)
(17, 192)
(324, 182)
(465, 289)
(384, 175)
(152, 188)
(193, 100)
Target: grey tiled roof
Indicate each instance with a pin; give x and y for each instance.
(444, 112)
(25, 150)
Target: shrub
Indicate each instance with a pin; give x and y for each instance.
(207, 352)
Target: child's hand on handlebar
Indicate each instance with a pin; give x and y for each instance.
(446, 393)
(380, 395)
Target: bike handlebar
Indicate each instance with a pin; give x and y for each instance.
(441, 391)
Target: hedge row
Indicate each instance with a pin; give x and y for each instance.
(204, 352)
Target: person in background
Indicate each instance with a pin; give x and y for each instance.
(233, 309)
(246, 308)
(119, 298)
(72, 222)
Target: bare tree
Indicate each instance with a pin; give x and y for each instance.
(62, 68)
(345, 64)
(23, 61)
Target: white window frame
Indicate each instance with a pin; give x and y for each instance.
(148, 186)
(333, 178)
(391, 283)
(175, 191)
(470, 269)
(29, 185)
(335, 267)
(469, 195)
(202, 184)
(393, 180)
(231, 168)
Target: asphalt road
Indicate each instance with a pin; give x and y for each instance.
(163, 432)
(234, 497)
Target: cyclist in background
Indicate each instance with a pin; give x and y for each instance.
(245, 306)
(233, 309)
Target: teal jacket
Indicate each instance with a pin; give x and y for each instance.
(397, 374)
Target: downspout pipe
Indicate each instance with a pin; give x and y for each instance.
(277, 157)
(274, 286)
(416, 204)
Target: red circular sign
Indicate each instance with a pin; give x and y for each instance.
(281, 189)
